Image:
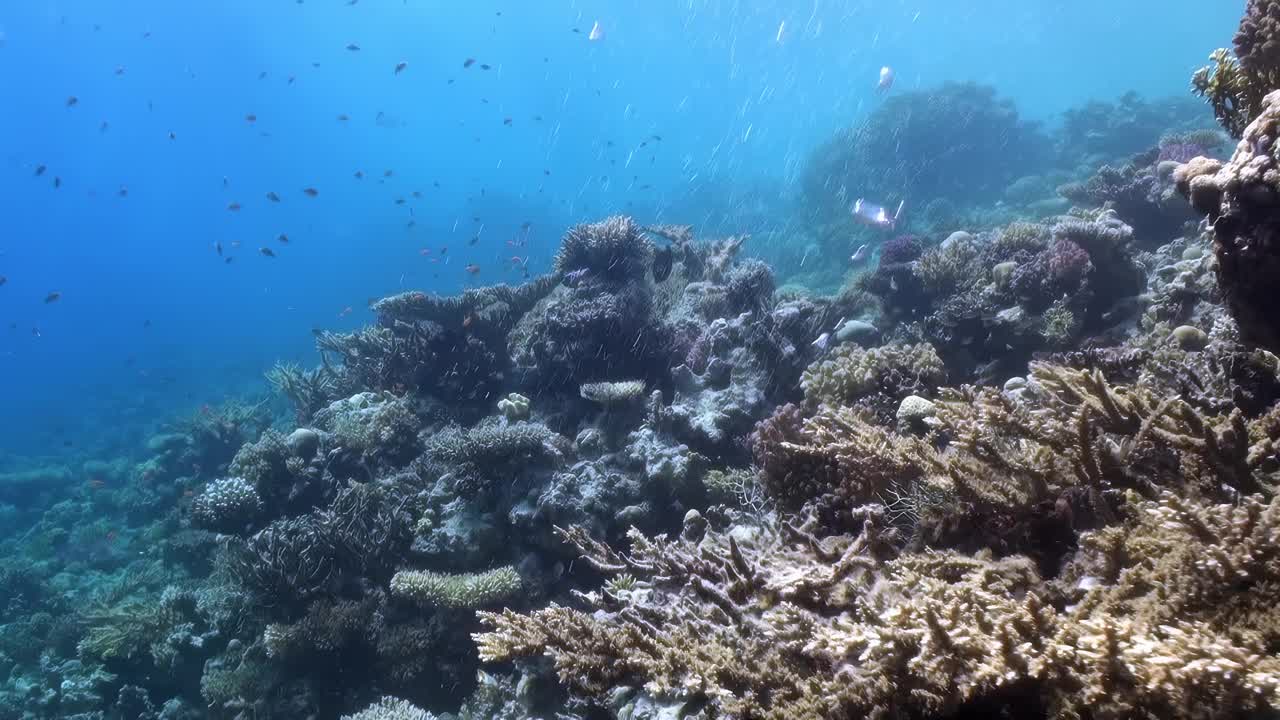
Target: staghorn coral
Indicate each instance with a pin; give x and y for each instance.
(460, 590)
(766, 621)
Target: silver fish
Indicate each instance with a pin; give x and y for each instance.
(886, 79)
(859, 255)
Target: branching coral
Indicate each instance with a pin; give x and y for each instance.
(308, 390)
(389, 708)
(466, 590)
(481, 456)
(613, 249)
(877, 378)
(769, 622)
(1235, 84)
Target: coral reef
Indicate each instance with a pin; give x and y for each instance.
(1241, 199)
(470, 590)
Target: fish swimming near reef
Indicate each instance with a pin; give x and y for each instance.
(886, 79)
(473, 268)
(663, 259)
(876, 215)
(859, 255)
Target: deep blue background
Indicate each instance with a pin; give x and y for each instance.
(731, 104)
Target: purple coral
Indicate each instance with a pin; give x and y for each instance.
(1180, 152)
(899, 250)
(1067, 264)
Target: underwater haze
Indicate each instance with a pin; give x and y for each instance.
(151, 319)
(639, 360)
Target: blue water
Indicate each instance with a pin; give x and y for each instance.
(152, 321)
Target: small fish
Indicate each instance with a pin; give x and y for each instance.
(822, 341)
(173, 135)
(311, 192)
(468, 62)
(267, 252)
(217, 246)
(36, 331)
(272, 196)
(251, 118)
(886, 79)
(345, 311)
(473, 240)
(485, 67)
(52, 297)
(228, 260)
(506, 121)
(262, 75)
(388, 173)
(284, 239)
(103, 127)
(123, 191)
(73, 101)
(57, 183)
(400, 66)
(597, 32)
(353, 47)
(292, 78)
(235, 244)
(359, 175)
(859, 255)
(40, 170)
(343, 117)
(3, 280)
(473, 268)
(424, 252)
(233, 206)
(119, 70)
